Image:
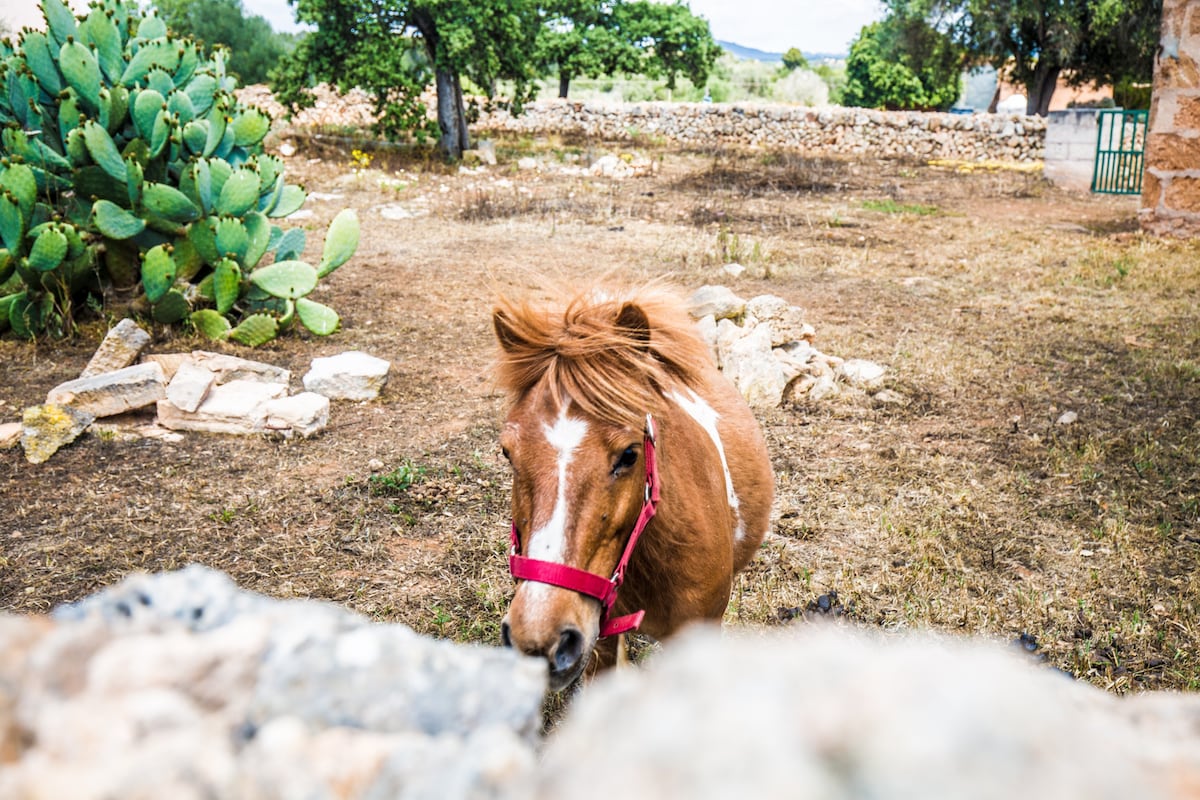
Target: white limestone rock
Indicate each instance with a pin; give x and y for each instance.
(10, 434)
(719, 301)
(121, 347)
(111, 393)
(754, 370)
(306, 413)
(232, 368)
(190, 386)
(347, 376)
(786, 321)
(861, 374)
(237, 407)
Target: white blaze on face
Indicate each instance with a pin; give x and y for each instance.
(549, 542)
(706, 417)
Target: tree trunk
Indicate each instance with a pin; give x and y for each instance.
(564, 84)
(448, 115)
(451, 117)
(464, 135)
(1041, 89)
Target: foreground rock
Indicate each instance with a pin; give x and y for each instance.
(834, 715)
(181, 685)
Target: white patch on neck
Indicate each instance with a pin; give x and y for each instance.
(549, 542)
(706, 417)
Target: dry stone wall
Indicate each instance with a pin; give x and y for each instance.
(833, 130)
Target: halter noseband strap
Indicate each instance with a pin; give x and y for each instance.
(587, 583)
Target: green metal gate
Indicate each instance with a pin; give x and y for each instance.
(1120, 152)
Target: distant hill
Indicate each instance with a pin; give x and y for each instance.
(754, 54)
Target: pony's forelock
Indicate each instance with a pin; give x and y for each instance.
(616, 374)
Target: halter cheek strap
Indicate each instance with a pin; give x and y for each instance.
(587, 583)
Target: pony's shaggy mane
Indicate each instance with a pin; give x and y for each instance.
(613, 354)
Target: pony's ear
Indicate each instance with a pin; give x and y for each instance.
(506, 332)
(632, 321)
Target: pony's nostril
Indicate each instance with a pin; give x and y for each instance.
(505, 635)
(568, 651)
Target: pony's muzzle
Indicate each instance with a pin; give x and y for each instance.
(565, 652)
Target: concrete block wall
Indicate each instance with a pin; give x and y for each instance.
(1171, 186)
(1070, 153)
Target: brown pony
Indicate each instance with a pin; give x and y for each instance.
(583, 378)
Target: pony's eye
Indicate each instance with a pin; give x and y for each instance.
(627, 459)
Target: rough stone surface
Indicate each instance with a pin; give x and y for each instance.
(169, 362)
(120, 348)
(231, 368)
(862, 374)
(111, 393)
(1170, 192)
(837, 715)
(236, 407)
(306, 413)
(190, 386)
(47, 428)
(845, 131)
(347, 376)
(10, 434)
(786, 321)
(181, 685)
(755, 372)
(717, 301)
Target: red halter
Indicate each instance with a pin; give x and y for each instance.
(590, 584)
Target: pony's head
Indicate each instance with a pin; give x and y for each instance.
(582, 378)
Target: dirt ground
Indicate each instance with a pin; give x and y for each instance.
(996, 301)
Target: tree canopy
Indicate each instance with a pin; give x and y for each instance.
(254, 47)
(794, 59)
(1036, 41)
(392, 48)
(903, 62)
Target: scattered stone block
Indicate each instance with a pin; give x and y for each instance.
(10, 434)
(190, 386)
(237, 407)
(862, 374)
(306, 413)
(720, 301)
(231, 368)
(112, 393)
(47, 428)
(347, 376)
(170, 362)
(120, 348)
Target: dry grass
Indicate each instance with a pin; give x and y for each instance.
(969, 508)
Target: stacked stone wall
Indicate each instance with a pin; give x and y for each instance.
(835, 131)
(1171, 186)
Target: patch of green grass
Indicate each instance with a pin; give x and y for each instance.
(398, 481)
(890, 206)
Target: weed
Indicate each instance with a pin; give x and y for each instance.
(398, 481)
(889, 206)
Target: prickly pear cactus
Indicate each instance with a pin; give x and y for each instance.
(127, 165)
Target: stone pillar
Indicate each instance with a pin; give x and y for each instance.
(1171, 187)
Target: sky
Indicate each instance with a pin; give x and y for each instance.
(815, 26)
